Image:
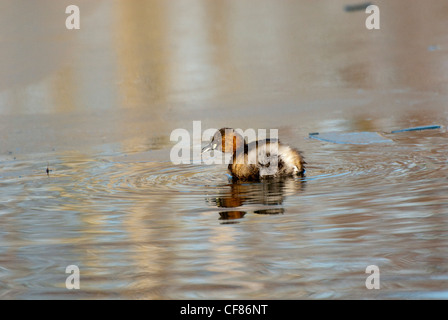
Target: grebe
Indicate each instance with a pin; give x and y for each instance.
(259, 159)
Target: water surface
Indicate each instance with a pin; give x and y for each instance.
(96, 108)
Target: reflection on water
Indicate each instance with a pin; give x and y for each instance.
(97, 106)
(268, 194)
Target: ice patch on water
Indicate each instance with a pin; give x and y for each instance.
(350, 137)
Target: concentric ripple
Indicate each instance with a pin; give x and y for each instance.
(137, 180)
(161, 177)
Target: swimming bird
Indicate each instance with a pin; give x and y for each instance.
(257, 160)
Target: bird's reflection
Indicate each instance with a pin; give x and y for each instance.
(231, 215)
(265, 197)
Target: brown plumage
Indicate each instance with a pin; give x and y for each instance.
(258, 159)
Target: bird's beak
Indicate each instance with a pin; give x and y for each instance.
(207, 148)
(210, 146)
